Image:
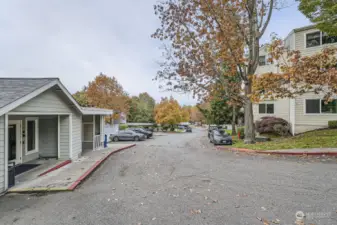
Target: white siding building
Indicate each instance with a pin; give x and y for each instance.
(306, 112)
(40, 119)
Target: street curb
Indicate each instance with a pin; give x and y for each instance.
(94, 167)
(75, 184)
(36, 190)
(55, 167)
(245, 150)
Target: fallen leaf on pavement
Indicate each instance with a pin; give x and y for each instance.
(276, 221)
(259, 218)
(195, 211)
(265, 222)
(154, 218)
(263, 208)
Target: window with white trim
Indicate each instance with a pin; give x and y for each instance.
(319, 38)
(329, 107)
(318, 106)
(31, 135)
(262, 60)
(326, 39)
(266, 108)
(313, 39)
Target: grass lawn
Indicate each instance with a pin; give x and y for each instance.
(326, 138)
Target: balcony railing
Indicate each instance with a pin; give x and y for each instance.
(98, 143)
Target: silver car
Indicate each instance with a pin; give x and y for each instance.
(127, 135)
(219, 137)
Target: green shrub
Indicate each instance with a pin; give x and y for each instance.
(123, 126)
(241, 130)
(267, 124)
(164, 127)
(282, 130)
(332, 124)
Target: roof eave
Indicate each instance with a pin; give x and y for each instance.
(93, 112)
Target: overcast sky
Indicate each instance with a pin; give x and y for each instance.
(77, 39)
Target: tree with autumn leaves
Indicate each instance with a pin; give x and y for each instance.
(299, 74)
(104, 92)
(169, 112)
(206, 36)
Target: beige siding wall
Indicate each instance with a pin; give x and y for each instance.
(76, 135)
(281, 109)
(48, 138)
(300, 43)
(266, 68)
(2, 154)
(289, 41)
(48, 101)
(64, 137)
(306, 122)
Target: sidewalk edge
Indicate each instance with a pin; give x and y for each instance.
(55, 167)
(285, 152)
(94, 167)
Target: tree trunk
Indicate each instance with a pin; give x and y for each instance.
(249, 120)
(234, 121)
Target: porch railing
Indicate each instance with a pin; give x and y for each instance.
(98, 143)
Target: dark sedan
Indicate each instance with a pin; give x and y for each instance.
(185, 127)
(219, 137)
(127, 135)
(148, 134)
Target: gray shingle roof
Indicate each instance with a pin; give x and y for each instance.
(12, 89)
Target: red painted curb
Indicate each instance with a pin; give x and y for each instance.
(298, 153)
(94, 167)
(55, 167)
(276, 153)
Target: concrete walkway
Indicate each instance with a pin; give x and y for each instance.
(69, 176)
(304, 151)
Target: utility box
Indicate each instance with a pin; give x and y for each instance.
(11, 174)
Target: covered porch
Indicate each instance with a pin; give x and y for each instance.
(92, 132)
(37, 136)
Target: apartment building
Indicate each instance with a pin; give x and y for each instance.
(306, 112)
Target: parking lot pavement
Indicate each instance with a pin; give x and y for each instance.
(182, 179)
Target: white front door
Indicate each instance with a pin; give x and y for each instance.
(14, 141)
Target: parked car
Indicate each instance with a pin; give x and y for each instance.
(148, 134)
(127, 135)
(211, 128)
(185, 127)
(219, 137)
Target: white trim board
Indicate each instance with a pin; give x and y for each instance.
(58, 137)
(36, 113)
(36, 119)
(18, 131)
(6, 152)
(71, 136)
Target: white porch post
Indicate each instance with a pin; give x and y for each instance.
(102, 129)
(6, 151)
(58, 137)
(93, 132)
(71, 136)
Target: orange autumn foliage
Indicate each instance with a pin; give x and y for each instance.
(300, 74)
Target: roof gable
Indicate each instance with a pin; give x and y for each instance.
(12, 89)
(16, 91)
